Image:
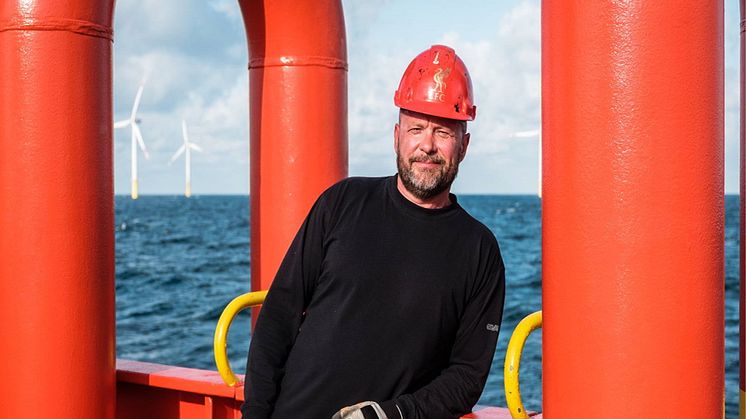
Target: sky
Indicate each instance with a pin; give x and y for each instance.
(193, 57)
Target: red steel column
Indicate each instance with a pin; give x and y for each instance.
(742, 305)
(56, 210)
(633, 208)
(298, 110)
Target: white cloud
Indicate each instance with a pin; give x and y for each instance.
(229, 8)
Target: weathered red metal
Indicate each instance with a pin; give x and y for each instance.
(632, 208)
(742, 270)
(56, 210)
(298, 108)
(169, 392)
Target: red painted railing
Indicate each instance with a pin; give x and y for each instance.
(146, 390)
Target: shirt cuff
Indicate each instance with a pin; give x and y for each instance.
(390, 408)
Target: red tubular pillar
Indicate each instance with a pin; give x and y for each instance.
(298, 110)
(633, 208)
(56, 210)
(742, 305)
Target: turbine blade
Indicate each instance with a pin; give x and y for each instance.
(140, 141)
(137, 102)
(195, 147)
(184, 131)
(526, 134)
(146, 75)
(178, 153)
(121, 124)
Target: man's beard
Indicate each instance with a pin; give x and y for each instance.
(426, 183)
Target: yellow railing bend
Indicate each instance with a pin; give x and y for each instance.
(220, 344)
(513, 363)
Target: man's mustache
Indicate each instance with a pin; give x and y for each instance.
(427, 159)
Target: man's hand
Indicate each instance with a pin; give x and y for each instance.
(364, 410)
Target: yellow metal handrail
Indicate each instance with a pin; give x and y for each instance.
(513, 363)
(220, 344)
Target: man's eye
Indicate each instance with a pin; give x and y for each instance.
(443, 134)
(415, 130)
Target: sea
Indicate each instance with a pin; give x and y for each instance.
(180, 261)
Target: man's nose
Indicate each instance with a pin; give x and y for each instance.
(427, 144)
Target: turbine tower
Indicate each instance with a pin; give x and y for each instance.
(136, 139)
(186, 148)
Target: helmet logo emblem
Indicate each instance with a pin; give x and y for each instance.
(440, 84)
(435, 61)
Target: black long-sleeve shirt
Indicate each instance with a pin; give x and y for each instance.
(378, 299)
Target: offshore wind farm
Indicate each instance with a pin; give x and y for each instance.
(136, 140)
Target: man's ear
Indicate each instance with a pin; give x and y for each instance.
(464, 146)
(396, 137)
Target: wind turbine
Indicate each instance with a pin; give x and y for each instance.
(531, 134)
(133, 121)
(186, 148)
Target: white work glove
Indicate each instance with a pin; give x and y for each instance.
(364, 410)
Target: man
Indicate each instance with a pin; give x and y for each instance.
(389, 300)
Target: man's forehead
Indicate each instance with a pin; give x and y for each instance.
(412, 117)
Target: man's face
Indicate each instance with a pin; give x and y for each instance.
(428, 152)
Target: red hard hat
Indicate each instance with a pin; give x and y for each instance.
(437, 83)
